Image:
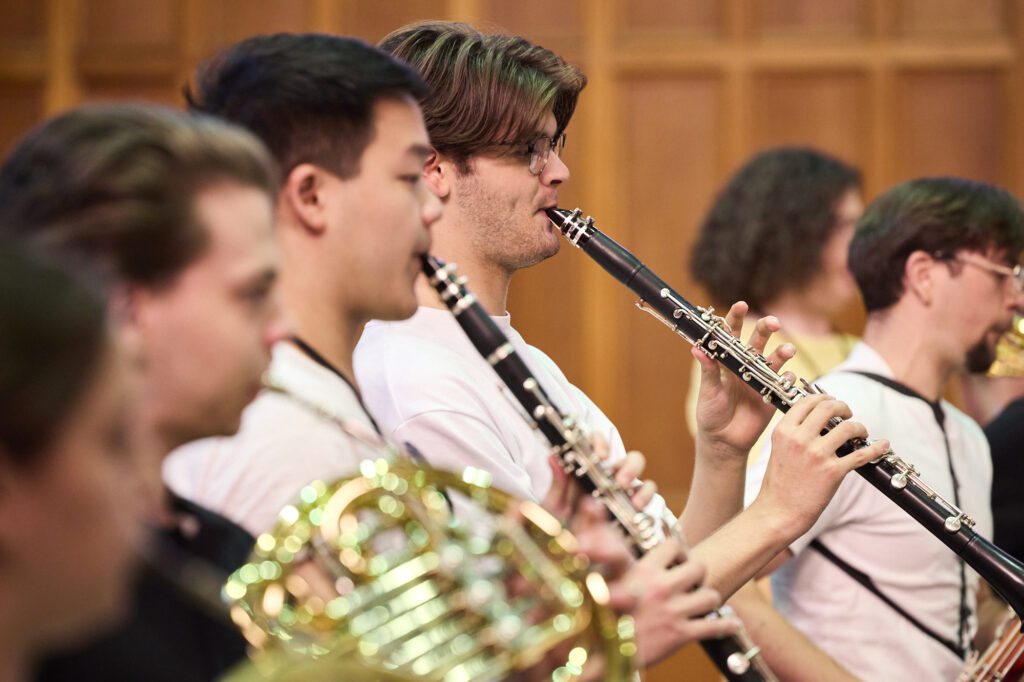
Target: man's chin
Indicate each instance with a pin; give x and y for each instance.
(554, 247)
(548, 249)
(398, 312)
(226, 425)
(536, 258)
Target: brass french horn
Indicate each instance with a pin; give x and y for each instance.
(285, 666)
(376, 572)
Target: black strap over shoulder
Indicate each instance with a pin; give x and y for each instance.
(940, 419)
(326, 364)
(940, 416)
(865, 580)
(965, 613)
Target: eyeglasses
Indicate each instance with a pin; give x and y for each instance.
(540, 149)
(1016, 272)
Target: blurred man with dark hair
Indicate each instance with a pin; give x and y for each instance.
(176, 213)
(937, 262)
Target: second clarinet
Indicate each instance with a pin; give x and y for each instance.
(896, 479)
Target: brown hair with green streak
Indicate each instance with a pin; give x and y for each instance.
(486, 90)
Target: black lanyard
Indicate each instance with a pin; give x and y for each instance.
(324, 362)
(410, 449)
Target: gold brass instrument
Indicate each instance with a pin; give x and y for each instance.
(376, 569)
(285, 666)
(1010, 352)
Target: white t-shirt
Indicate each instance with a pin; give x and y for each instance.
(871, 533)
(282, 445)
(426, 384)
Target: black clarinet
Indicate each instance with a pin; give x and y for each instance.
(895, 478)
(736, 657)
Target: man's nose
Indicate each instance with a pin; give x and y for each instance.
(555, 172)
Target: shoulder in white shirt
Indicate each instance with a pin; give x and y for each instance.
(870, 532)
(282, 445)
(426, 383)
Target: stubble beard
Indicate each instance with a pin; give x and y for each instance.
(503, 236)
(980, 357)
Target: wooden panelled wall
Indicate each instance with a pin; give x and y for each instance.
(680, 93)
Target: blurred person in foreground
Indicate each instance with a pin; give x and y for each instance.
(176, 214)
(67, 531)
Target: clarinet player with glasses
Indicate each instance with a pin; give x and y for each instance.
(937, 262)
(422, 380)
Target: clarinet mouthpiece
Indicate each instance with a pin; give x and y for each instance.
(558, 216)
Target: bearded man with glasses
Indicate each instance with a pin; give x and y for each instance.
(936, 260)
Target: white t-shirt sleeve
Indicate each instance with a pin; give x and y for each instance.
(429, 387)
(756, 471)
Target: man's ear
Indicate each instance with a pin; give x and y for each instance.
(303, 193)
(919, 275)
(437, 174)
